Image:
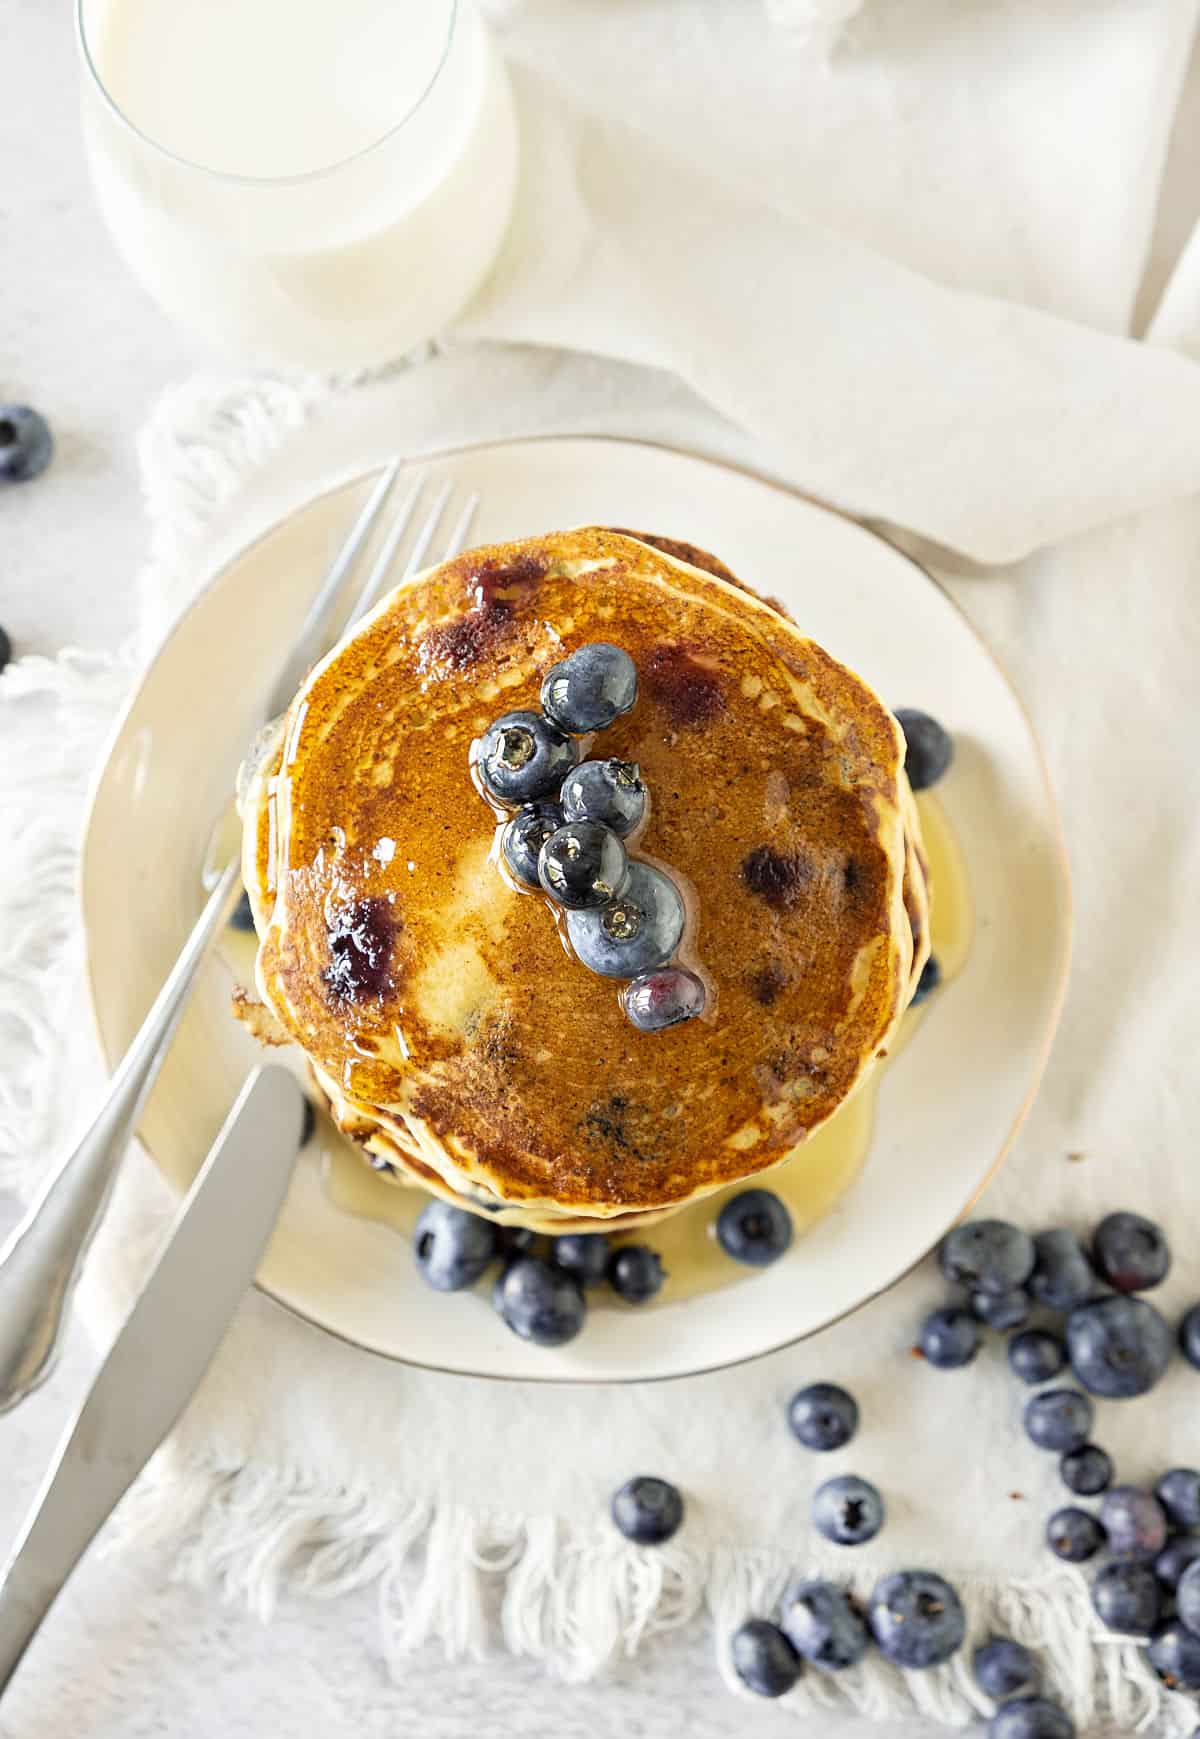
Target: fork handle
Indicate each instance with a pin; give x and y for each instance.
(41, 1259)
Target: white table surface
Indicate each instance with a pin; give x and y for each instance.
(125, 1655)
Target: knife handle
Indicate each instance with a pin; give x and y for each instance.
(41, 1258)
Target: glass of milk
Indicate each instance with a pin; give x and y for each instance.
(321, 183)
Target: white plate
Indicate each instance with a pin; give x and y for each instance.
(949, 1105)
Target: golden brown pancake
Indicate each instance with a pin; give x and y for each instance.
(439, 1006)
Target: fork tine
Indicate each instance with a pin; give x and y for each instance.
(425, 536)
(373, 583)
(458, 536)
(313, 635)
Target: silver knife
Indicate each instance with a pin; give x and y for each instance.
(163, 1349)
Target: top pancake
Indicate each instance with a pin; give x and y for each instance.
(422, 984)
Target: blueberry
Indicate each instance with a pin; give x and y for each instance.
(452, 1247)
(525, 835)
(1135, 1522)
(949, 1339)
(916, 1618)
(610, 792)
(583, 1254)
(823, 1416)
(539, 1302)
(820, 1623)
(638, 932)
(1062, 1275)
(1036, 1356)
(1175, 1558)
(1179, 1494)
(1075, 1535)
(1127, 1598)
(987, 1256)
(1086, 1471)
(5, 649)
(929, 981)
(647, 1510)
(1003, 1310)
(1118, 1347)
(518, 1240)
(1174, 1653)
(26, 444)
(930, 747)
(1030, 1718)
(590, 689)
(523, 757)
(1058, 1419)
(1004, 1667)
(847, 1510)
(754, 1227)
(241, 917)
(636, 1273)
(1187, 1597)
(1189, 1336)
(662, 999)
(1130, 1252)
(764, 1659)
(582, 866)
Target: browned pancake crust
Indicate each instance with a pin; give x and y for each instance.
(548, 1093)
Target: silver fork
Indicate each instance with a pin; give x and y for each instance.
(41, 1259)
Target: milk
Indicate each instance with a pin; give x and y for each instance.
(322, 182)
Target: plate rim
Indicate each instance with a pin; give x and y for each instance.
(1057, 840)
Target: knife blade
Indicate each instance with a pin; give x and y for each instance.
(163, 1349)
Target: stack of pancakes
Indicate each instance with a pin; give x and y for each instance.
(452, 1034)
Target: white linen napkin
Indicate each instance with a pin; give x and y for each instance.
(998, 151)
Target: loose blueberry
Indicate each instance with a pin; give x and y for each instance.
(636, 1273)
(1036, 1356)
(241, 917)
(1179, 1494)
(929, 981)
(583, 1254)
(1127, 1598)
(1187, 1597)
(1130, 1252)
(590, 689)
(1135, 1522)
(1004, 1667)
(1062, 1275)
(647, 1510)
(1086, 1471)
(1058, 1419)
(610, 792)
(663, 999)
(519, 1240)
(930, 747)
(452, 1247)
(1174, 1653)
(823, 1416)
(5, 649)
(1176, 1557)
(754, 1227)
(1030, 1718)
(523, 757)
(764, 1659)
(26, 444)
(847, 1510)
(582, 866)
(1075, 1535)
(638, 932)
(539, 1303)
(916, 1618)
(525, 835)
(987, 1256)
(1189, 1336)
(949, 1339)
(820, 1623)
(1118, 1347)
(1002, 1310)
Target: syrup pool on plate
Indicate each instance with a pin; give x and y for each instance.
(811, 1183)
